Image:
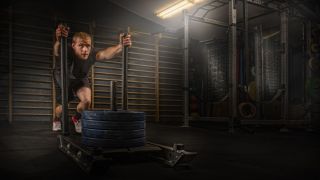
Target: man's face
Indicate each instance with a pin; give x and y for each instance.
(82, 48)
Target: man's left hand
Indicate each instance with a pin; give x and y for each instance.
(125, 40)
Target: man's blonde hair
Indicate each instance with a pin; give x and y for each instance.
(81, 35)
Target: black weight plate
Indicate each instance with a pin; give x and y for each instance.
(110, 143)
(104, 115)
(113, 134)
(95, 114)
(112, 125)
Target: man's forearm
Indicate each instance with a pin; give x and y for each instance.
(56, 47)
(109, 52)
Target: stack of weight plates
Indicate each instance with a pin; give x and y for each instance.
(113, 129)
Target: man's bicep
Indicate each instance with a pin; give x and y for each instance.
(99, 55)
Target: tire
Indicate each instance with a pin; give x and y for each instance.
(113, 129)
(112, 125)
(113, 115)
(247, 110)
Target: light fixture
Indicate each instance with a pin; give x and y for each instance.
(175, 7)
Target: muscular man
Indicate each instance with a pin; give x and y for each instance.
(81, 56)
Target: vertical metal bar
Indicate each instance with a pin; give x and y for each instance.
(246, 41)
(10, 98)
(64, 85)
(186, 69)
(207, 89)
(113, 95)
(262, 69)
(307, 70)
(258, 62)
(205, 101)
(284, 60)
(232, 62)
(157, 78)
(92, 85)
(92, 27)
(124, 76)
(53, 81)
(303, 50)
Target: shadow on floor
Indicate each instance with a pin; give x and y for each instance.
(29, 151)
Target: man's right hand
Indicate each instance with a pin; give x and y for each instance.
(61, 31)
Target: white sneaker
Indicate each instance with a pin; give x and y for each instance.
(77, 124)
(56, 125)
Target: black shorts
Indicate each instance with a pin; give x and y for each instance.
(73, 86)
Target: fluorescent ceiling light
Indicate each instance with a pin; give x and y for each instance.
(176, 7)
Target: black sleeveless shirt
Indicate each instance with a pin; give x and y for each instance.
(78, 68)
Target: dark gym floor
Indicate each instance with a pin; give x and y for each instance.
(29, 151)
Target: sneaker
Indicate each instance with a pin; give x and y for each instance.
(77, 123)
(56, 124)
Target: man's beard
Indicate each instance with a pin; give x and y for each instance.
(83, 56)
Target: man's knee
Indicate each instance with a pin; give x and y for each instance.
(86, 102)
(59, 109)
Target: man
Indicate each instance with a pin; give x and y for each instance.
(81, 56)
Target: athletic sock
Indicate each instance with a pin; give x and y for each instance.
(78, 115)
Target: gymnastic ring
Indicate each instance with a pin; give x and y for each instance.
(247, 110)
(314, 48)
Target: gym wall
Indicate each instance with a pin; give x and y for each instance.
(4, 64)
(155, 68)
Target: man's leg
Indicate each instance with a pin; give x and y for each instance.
(56, 124)
(58, 111)
(84, 95)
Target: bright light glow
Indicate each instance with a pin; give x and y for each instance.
(176, 7)
(175, 11)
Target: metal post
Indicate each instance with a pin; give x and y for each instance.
(308, 73)
(284, 60)
(233, 84)
(53, 81)
(10, 98)
(92, 26)
(113, 95)
(64, 85)
(262, 74)
(258, 61)
(303, 50)
(157, 78)
(92, 85)
(246, 41)
(186, 69)
(124, 76)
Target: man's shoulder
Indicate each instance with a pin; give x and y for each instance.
(93, 54)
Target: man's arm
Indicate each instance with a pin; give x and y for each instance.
(112, 51)
(109, 52)
(56, 48)
(60, 31)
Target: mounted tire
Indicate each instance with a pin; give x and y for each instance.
(112, 125)
(113, 129)
(103, 115)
